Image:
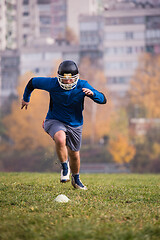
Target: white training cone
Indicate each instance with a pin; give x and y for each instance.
(62, 198)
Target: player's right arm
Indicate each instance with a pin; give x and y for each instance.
(43, 83)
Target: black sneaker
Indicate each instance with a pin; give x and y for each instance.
(76, 182)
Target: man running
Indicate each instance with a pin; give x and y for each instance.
(64, 119)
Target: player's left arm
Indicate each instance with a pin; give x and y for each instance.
(92, 93)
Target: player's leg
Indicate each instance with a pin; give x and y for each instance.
(74, 157)
(61, 149)
(60, 142)
(56, 130)
(74, 161)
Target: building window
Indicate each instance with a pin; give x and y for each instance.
(129, 35)
(153, 22)
(118, 80)
(121, 65)
(25, 25)
(150, 49)
(45, 19)
(124, 20)
(43, 2)
(138, 35)
(25, 2)
(138, 20)
(37, 70)
(123, 50)
(153, 33)
(129, 50)
(44, 30)
(25, 13)
(114, 36)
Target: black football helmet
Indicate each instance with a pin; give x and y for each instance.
(68, 70)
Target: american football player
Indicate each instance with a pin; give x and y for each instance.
(64, 120)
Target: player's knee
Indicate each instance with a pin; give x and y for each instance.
(60, 139)
(60, 142)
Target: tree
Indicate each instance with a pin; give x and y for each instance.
(71, 36)
(145, 86)
(121, 150)
(120, 146)
(24, 127)
(144, 99)
(96, 117)
(147, 158)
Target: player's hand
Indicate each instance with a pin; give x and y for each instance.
(87, 91)
(24, 104)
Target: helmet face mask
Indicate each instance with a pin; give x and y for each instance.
(68, 86)
(68, 70)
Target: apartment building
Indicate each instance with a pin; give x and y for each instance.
(46, 20)
(25, 21)
(91, 37)
(129, 30)
(30, 25)
(58, 18)
(8, 27)
(75, 8)
(2, 23)
(113, 33)
(43, 60)
(10, 73)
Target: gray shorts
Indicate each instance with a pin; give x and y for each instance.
(73, 134)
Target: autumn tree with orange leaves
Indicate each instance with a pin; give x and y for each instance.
(144, 102)
(121, 150)
(96, 116)
(104, 120)
(120, 146)
(145, 86)
(24, 127)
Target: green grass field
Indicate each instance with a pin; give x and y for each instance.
(116, 206)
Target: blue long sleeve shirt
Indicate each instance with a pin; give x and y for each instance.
(65, 105)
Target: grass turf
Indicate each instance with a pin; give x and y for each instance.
(121, 206)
